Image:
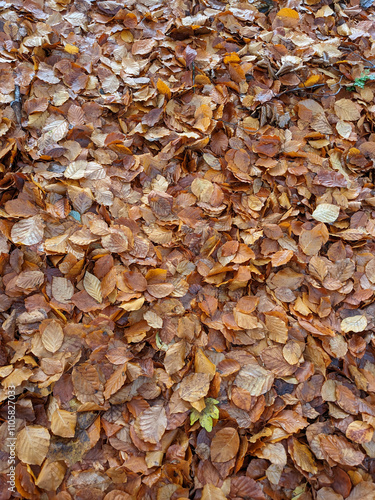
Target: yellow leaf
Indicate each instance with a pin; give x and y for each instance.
(313, 80)
(233, 57)
(286, 12)
(71, 49)
(127, 36)
(133, 305)
(302, 456)
(211, 492)
(203, 364)
(163, 88)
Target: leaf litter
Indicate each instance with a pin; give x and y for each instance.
(187, 249)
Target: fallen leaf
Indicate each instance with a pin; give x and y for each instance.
(92, 286)
(32, 444)
(225, 445)
(151, 424)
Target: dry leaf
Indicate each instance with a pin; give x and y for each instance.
(63, 423)
(93, 287)
(194, 387)
(326, 212)
(52, 336)
(51, 475)
(348, 110)
(302, 456)
(32, 444)
(356, 323)
(359, 432)
(225, 445)
(115, 381)
(211, 492)
(151, 424)
(254, 379)
(28, 231)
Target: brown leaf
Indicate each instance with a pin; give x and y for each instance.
(302, 456)
(340, 450)
(160, 290)
(63, 423)
(92, 286)
(211, 492)
(52, 336)
(255, 379)
(194, 387)
(225, 445)
(359, 432)
(290, 421)
(246, 487)
(115, 381)
(51, 475)
(151, 424)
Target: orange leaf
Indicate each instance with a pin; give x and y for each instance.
(233, 57)
(286, 12)
(163, 88)
(312, 80)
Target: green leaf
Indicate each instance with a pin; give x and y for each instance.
(361, 81)
(299, 491)
(212, 401)
(194, 416)
(160, 344)
(206, 422)
(214, 413)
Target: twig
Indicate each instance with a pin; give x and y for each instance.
(17, 104)
(193, 72)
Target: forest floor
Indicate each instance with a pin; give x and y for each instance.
(187, 250)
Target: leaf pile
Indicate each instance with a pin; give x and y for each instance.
(187, 249)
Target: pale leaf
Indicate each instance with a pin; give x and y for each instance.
(62, 289)
(355, 324)
(76, 170)
(53, 336)
(28, 231)
(93, 287)
(325, 212)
